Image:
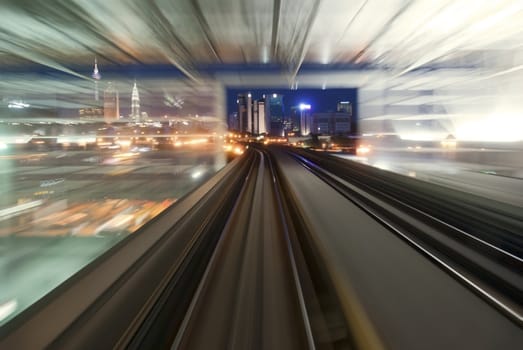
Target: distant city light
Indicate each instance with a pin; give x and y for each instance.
(249, 95)
(304, 106)
(274, 95)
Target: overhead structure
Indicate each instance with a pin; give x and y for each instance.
(443, 55)
(400, 34)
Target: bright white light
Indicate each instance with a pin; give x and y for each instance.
(274, 95)
(422, 136)
(3, 146)
(493, 128)
(196, 174)
(304, 106)
(249, 95)
(17, 105)
(361, 150)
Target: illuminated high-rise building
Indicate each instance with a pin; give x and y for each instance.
(259, 117)
(135, 104)
(305, 119)
(111, 104)
(275, 114)
(300, 120)
(245, 112)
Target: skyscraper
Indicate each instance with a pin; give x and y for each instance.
(276, 114)
(300, 120)
(305, 119)
(245, 112)
(111, 103)
(135, 104)
(259, 117)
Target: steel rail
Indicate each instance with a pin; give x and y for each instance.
(242, 256)
(451, 260)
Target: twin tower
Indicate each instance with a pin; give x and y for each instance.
(111, 102)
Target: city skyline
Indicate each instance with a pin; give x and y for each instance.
(319, 99)
(292, 111)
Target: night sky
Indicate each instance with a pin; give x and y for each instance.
(320, 100)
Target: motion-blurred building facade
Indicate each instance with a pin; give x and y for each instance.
(335, 123)
(252, 115)
(299, 121)
(245, 112)
(259, 117)
(331, 123)
(111, 108)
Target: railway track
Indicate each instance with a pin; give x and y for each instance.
(255, 259)
(252, 294)
(488, 270)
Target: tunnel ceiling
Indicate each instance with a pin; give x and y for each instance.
(179, 49)
(187, 34)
